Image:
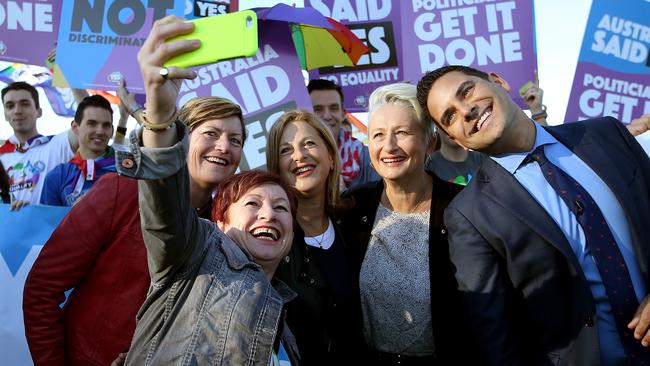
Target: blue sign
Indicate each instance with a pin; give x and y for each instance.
(98, 42)
(23, 229)
(613, 73)
(24, 233)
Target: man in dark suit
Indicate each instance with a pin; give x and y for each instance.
(550, 238)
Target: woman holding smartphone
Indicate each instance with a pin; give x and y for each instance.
(213, 299)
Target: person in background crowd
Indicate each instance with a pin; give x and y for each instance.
(346, 126)
(93, 125)
(129, 106)
(639, 127)
(327, 99)
(80, 94)
(452, 163)
(549, 240)
(407, 287)
(28, 156)
(98, 250)
(302, 151)
(533, 96)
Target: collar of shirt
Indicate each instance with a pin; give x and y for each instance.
(13, 144)
(512, 161)
(323, 241)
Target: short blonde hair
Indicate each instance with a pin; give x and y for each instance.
(403, 95)
(332, 198)
(201, 109)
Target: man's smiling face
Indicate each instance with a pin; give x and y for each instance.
(475, 112)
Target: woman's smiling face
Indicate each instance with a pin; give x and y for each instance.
(215, 150)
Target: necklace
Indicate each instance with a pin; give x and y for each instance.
(419, 200)
(318, 241)
(322, 241)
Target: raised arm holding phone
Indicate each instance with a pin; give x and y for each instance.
(224, 270)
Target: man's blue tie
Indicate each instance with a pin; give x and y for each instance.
(604, 249)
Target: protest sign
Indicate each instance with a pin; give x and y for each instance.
(205, 8)
(377, 24)
(265, 86)
(98, 43)
(24, 233)
(28, 29)
(492, 35)
(613, 73)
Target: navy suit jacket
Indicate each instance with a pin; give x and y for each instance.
(525, 294)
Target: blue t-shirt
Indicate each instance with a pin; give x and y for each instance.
(60, 183)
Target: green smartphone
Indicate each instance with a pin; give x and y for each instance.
(222, 37)
(524, 89)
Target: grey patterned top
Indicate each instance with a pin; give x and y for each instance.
(395, 287)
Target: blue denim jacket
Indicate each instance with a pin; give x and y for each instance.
(208, 302)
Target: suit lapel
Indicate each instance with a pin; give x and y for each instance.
(617, 173)
(500, 186)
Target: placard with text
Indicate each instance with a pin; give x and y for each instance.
(492, 35)
(24, 232)
(98, 41)
(613, 73)
(377, 24)
(28, 30)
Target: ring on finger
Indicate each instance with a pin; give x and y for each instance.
(164, 72)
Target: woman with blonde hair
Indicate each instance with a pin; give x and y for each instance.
(406, 284)
(303, 152)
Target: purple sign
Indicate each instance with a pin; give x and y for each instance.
(377, 24)
(28, 30)
(265, 86)
(492, 36)
(613, 73)
(98, 43)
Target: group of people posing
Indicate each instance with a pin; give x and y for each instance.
(345, 254)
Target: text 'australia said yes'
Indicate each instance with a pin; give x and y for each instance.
(209, 73)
